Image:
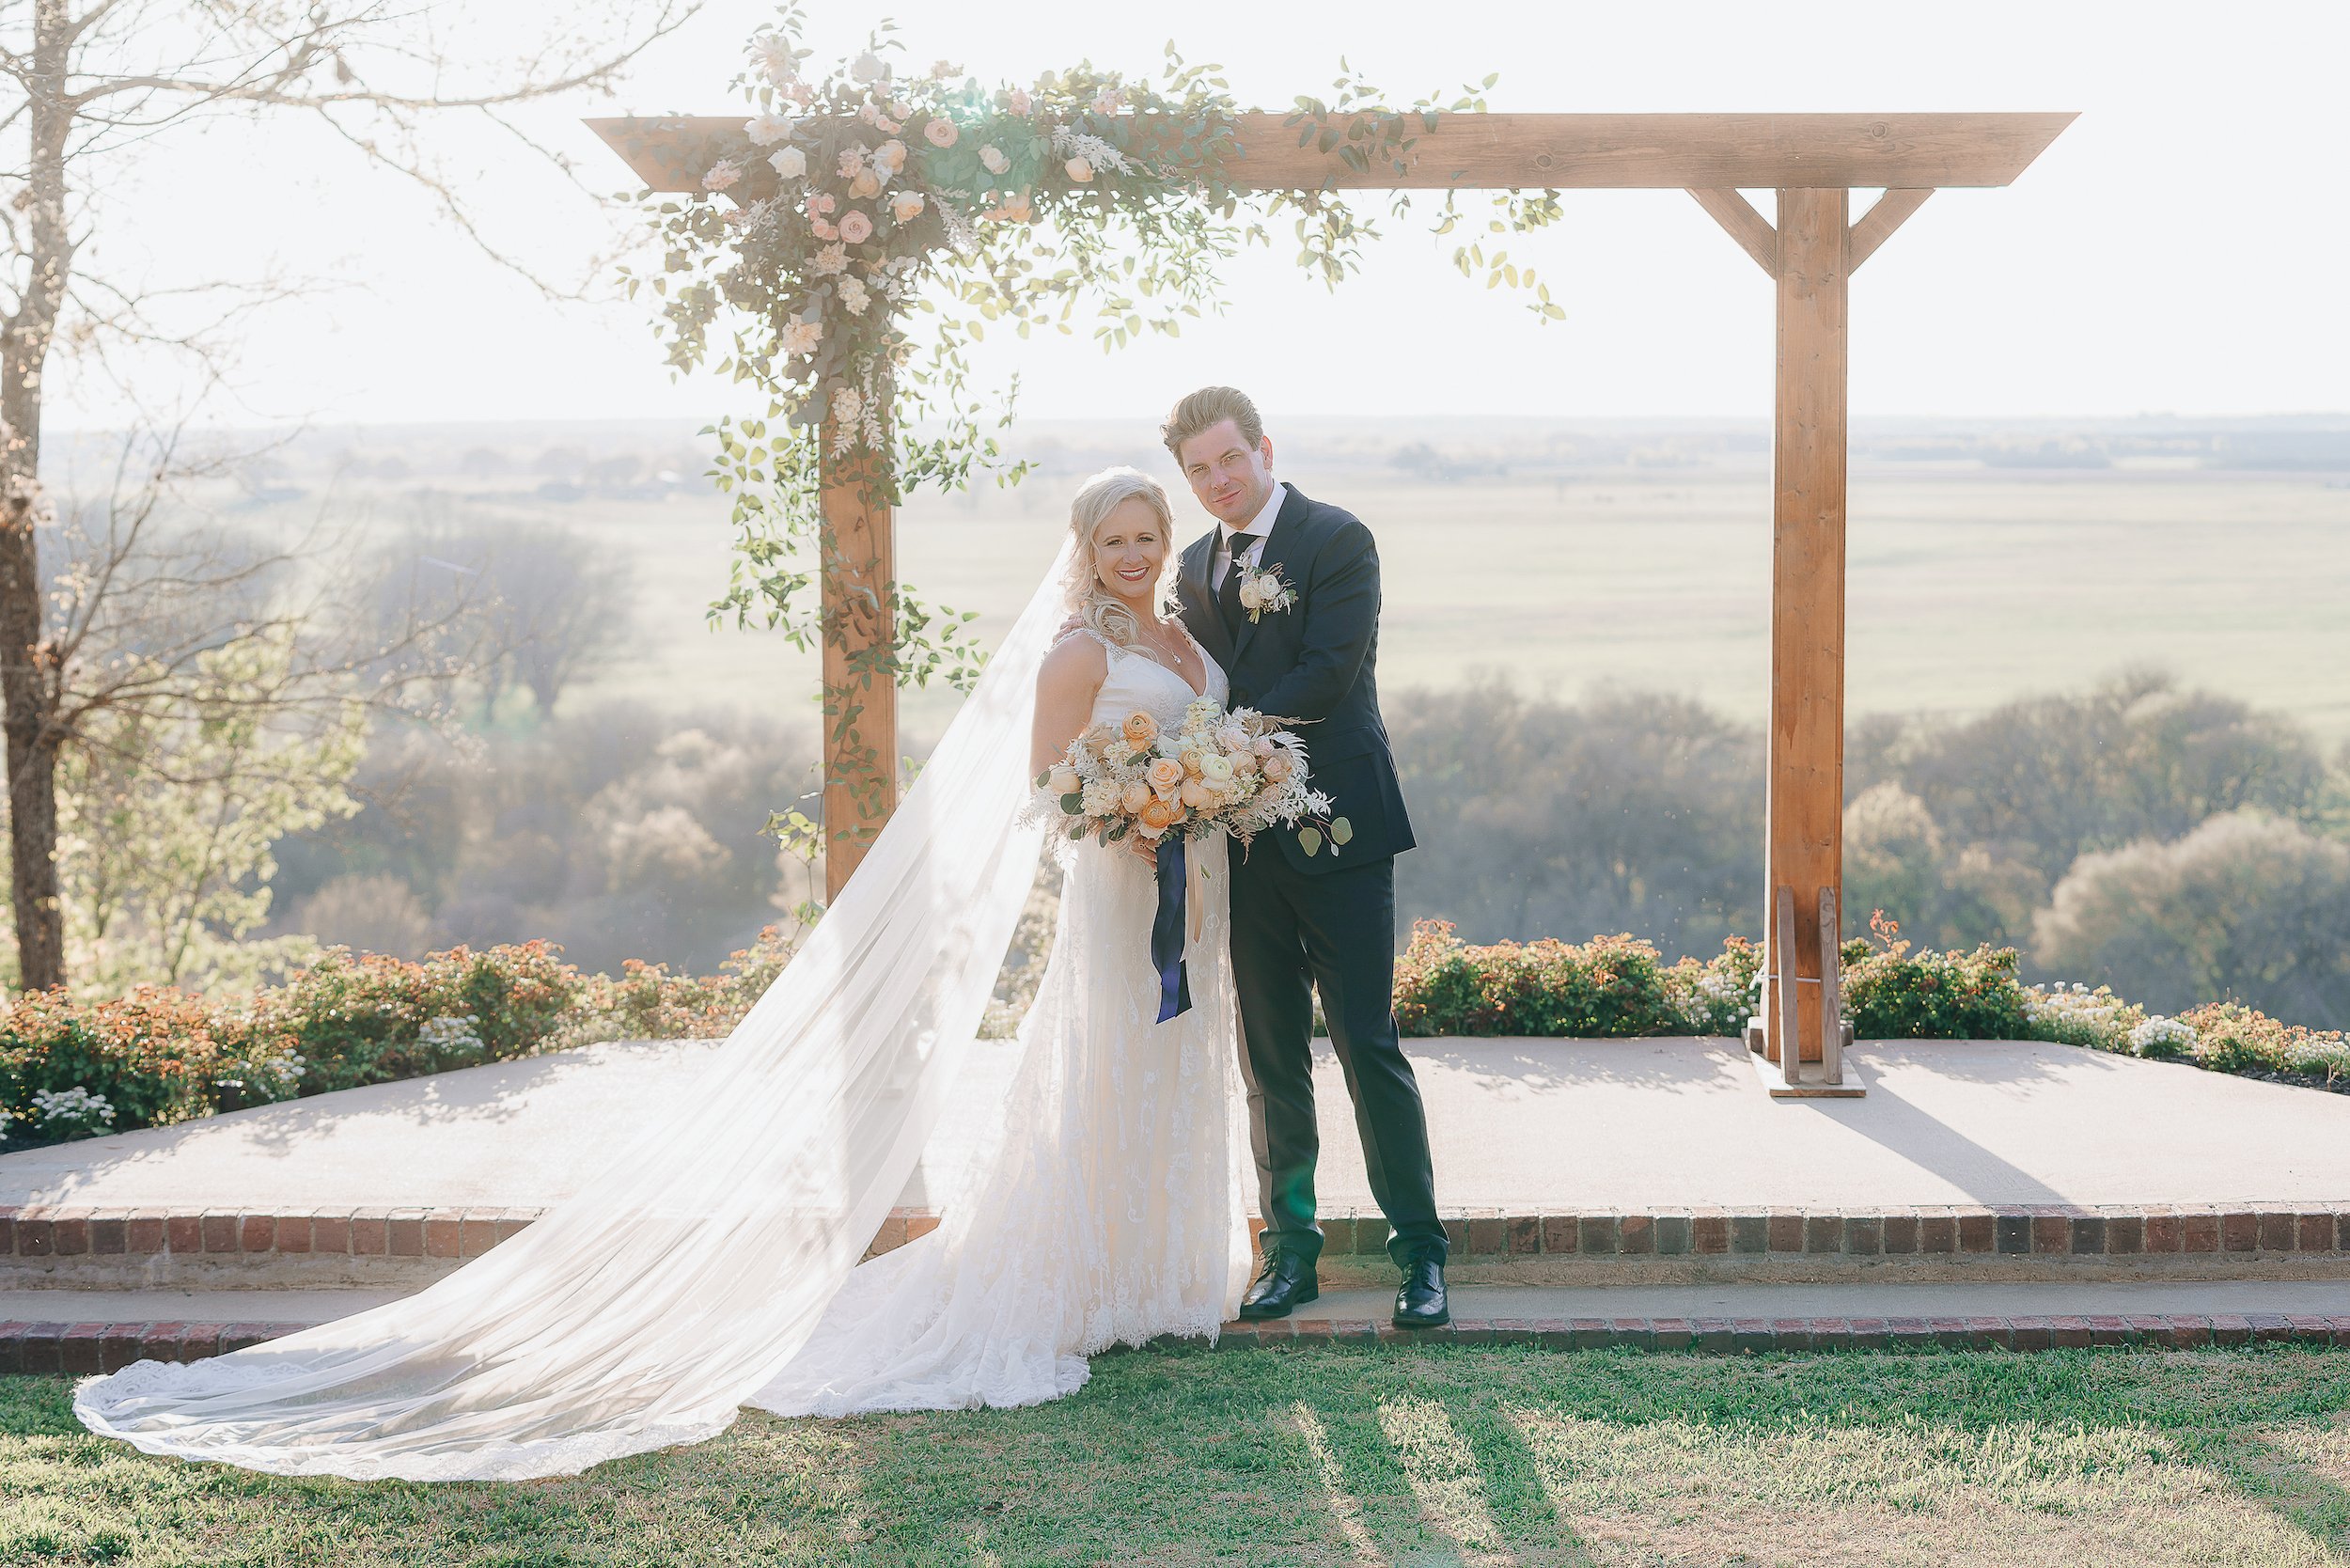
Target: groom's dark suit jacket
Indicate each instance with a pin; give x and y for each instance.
(1315, 662)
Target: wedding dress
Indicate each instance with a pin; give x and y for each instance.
(1110, 1211)
(705, 1265)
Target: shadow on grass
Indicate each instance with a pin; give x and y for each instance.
(1406, 1457)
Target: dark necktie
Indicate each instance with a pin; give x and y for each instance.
(1227, 596)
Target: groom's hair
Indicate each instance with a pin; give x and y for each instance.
(1207, 408)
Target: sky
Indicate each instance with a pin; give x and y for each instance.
(2177, 249)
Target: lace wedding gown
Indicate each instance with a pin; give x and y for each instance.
(1109, 1211)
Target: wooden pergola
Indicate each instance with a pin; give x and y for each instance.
(1813, 162)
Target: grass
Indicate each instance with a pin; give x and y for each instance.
(1344, 1457)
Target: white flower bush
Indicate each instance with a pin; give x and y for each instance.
(456, 1033)
(2159, 1037)
(71, 1110)
(2076, 1015)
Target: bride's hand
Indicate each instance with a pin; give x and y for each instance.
(1143, 849)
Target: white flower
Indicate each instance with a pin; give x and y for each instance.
(1078, 171)
(853, 296)
(2160, 1036)
(801, 338)
(906, 206)
(721, 174)
(1251, 594)
(847, 406)
(1102, 797)
(992, 158)
(788, 161)
(767, 130)
(830, 260)
(868, 67)
(775, 58)
(1215, 768)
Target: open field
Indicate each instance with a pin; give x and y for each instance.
(1427, 1457)
(1967, 588)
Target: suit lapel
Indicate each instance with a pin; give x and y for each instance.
(1198, 597)
(1277, 539)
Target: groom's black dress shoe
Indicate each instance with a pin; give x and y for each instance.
(1285, 1281)
(1420, 1302)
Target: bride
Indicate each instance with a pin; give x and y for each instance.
(714, 1264)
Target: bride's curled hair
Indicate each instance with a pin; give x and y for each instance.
(1092, 604)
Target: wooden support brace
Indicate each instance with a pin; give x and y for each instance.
(1831, 990)
(1783, 963)
(1750, 228)
(1877, 223)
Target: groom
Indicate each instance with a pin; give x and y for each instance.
(1313, 908)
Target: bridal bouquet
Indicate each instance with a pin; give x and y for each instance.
(1240, 770)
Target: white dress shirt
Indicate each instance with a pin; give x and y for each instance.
(1230, 546)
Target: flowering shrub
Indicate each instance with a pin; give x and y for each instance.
(1890, 993)
(365, 1018)
(647, 1002)
(1610, 985)
(2229, 1037)
(2162, 1039)
(2076, 1015)
(154, 1056)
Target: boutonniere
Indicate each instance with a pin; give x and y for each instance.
(1262, 589)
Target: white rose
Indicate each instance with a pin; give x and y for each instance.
(868, 67)
(801, 338)
(891, 155)
(992, 158)
(767, 130)
(788, 161)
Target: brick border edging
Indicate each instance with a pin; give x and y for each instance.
(78, 1349)
(2038, 1230)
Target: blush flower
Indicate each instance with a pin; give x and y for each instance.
(829, 261)
(1166, 776)
(801, 338)
(906, 206)
(890, 155)
(788, 161)
(992, 158)
(1020, 103)
(721, 176)
(767, 130)
(855, 228)
(855, 296)
(820, 203)
(1079, 170)
(941, 132)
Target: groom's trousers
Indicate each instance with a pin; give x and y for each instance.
(1293, 935)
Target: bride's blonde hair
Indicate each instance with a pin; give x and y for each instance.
(1092, 604)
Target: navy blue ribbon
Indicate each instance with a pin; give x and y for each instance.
(1166, 931)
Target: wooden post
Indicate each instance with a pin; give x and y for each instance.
(1805, 808)
(860, 688)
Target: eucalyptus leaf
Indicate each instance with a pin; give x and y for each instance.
(1310, 840)
(1341, 831)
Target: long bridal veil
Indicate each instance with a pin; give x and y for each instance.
(644, 1311)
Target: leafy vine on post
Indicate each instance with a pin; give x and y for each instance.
(863, 200)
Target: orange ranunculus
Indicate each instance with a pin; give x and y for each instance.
(1166, 776)
(1140, 729)
(1190, 759)
(1157, 814)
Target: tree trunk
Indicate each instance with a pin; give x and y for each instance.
(29, 684)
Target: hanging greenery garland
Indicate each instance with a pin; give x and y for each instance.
(879, 222)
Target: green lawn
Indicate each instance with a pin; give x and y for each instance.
(1370, 1455)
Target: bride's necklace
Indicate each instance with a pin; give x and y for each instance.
(1172, 651)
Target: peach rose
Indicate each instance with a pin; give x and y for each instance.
(941, 132)
(1244, 765)
(1078, 170)
(1277, 767)
(1195, 795)
(1136, 799)
(863, 187)
(1140, 729)
(1165, 775)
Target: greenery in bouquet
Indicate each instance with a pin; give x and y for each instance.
(1240, 772)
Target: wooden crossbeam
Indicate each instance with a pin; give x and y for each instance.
(1750, 228)
(1898, 151)
(1876, 226)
